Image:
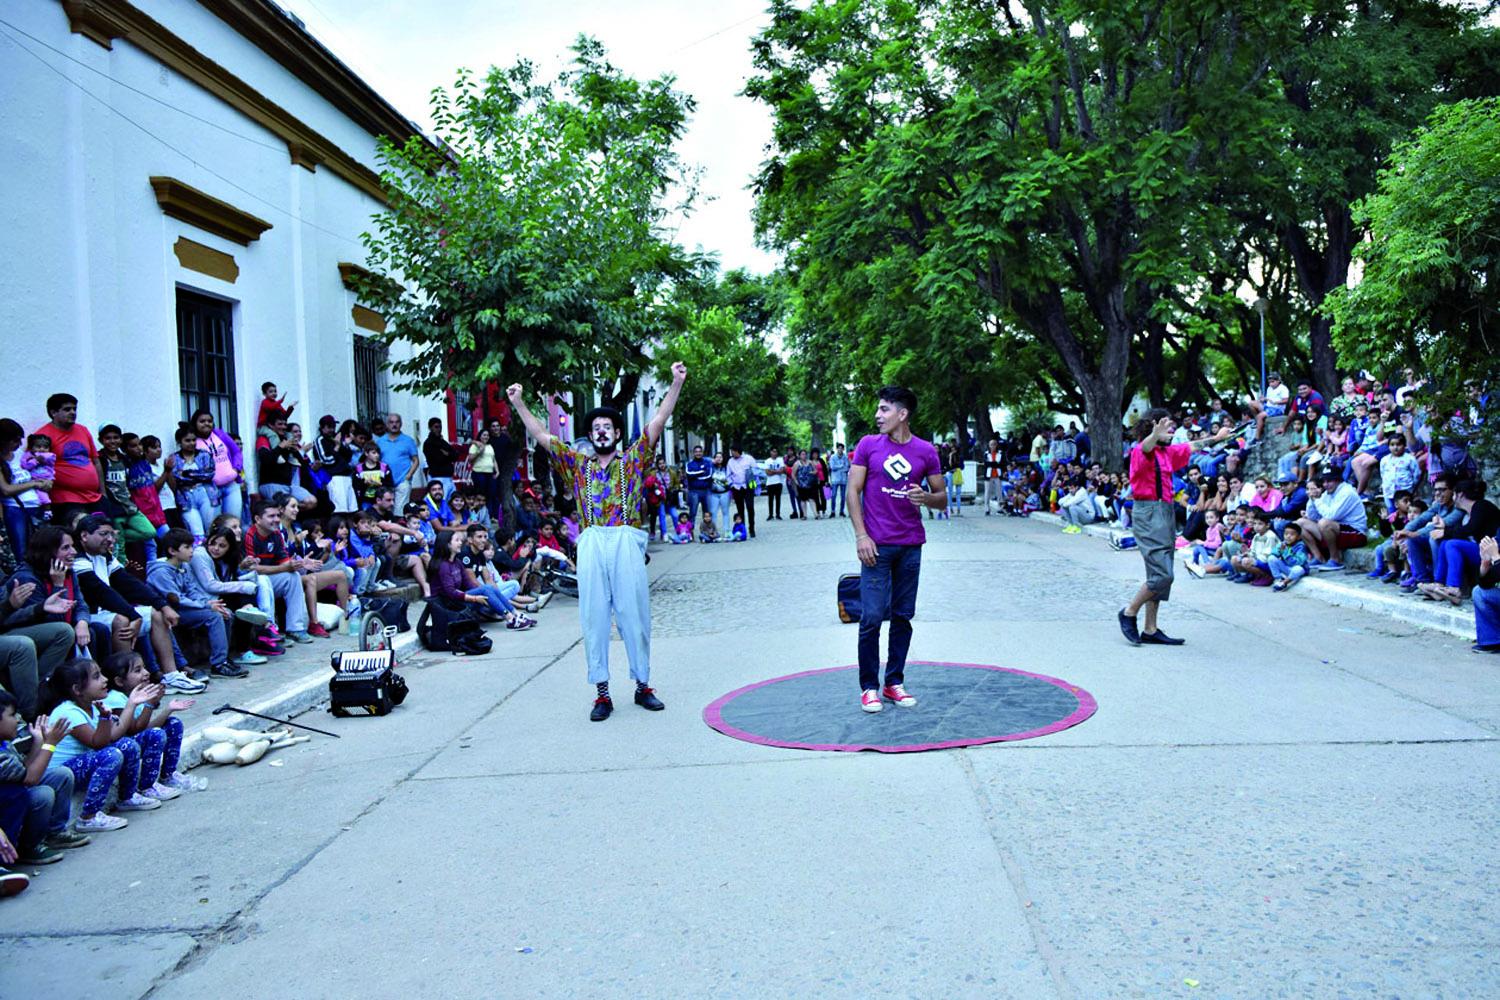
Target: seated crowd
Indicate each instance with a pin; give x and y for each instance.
(131, 578)
(1358, 471)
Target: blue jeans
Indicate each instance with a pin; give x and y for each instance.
(840, 491)
(47, 807)
(218, 634)
(18, 526)
(955, 493)
(1487, 616)
(1419, 557)
(494, 597)
(197, 510)
(228, 499)
(1281, 571)
(887, 590)
(1452, 557)
(718, 509)
(697, 502)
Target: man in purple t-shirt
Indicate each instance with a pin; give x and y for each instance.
(886, 474)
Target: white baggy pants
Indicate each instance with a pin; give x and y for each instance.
(612, 581)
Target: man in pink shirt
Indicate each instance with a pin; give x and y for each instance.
(1153, 461)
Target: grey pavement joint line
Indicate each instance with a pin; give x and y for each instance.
(207, 941)
(1017, 880)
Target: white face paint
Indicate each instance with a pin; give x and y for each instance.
(603, 435)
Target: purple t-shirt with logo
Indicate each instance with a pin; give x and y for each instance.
(890, 470)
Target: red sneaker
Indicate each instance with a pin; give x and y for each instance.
(318, 630)
(897, 694)
(870, 700)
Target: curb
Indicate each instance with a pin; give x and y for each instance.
(1445, 618)
(1457, 622)
(296, 696)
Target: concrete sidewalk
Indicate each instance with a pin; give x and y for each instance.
(1346, 589)
(1299, 802)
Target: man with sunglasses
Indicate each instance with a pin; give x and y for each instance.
(1418, 533)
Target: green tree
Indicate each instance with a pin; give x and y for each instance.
(736, 389)
(1429, 296)
(530, 248)
(1053, 159)
(1354, 79)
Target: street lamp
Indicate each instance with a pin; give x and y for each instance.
(1260, 305)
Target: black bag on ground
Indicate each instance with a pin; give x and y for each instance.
(392, 611)
(441, 629)
(849, 605)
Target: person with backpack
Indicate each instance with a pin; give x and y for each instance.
(612, 580)
(886, 478)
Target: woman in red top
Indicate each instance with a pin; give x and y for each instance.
(1154, 517)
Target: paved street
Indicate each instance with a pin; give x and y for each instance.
(1301, 802)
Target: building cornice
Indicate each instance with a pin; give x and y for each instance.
(104, 21)
(275, 33)
(198, 208)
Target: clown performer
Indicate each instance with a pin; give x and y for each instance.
(609, 486)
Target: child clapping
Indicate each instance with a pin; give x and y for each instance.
(154, 728)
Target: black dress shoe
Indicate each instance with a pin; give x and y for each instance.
(1160, 638)
(602, 708)
(1481, 647)
(1128, 626)
(647, 699)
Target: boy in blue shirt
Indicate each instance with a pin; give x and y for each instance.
(36, 796)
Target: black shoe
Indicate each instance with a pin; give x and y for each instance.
(602, 708)
(1481, 647)
(1160, 638)
(230, 670)
(647, 699)
(197, 673)
(1129, 627)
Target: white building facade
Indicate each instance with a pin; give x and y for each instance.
(185, 185)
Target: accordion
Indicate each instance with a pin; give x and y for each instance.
(365, 681)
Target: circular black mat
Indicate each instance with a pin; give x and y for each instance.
(958, 704)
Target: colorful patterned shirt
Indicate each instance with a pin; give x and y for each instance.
(608, 496)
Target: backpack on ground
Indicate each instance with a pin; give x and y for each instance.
(848, 596)
(392, 611)
(443, 631)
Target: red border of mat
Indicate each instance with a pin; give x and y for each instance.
(713, 714)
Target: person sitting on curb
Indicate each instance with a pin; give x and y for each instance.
(1334, 521)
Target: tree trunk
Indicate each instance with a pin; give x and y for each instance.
(1153, 364)
(983, 429)
(1325, 365)
(1104, 403)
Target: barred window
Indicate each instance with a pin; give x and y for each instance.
(372, 393)
(205, 358)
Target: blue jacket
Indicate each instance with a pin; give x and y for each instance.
(177, 581)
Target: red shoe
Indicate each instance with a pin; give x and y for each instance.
(897, 694)
(267, 648)
(315, 629)
(869, 701)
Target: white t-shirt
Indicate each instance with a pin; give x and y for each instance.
(68, 747)
(1277, 395)
(18, 474)
(775, 471)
